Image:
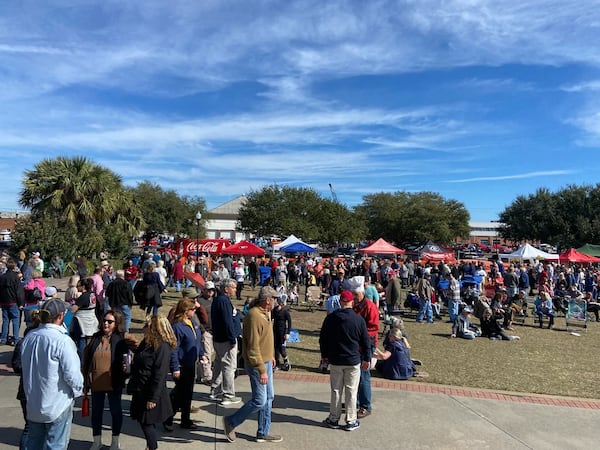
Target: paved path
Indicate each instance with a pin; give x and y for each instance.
(406, 415)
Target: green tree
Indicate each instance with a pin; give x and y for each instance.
(567, 218)
(410, 218)
(78, 196)
(167, 212)
(283, 210)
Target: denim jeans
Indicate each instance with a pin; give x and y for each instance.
(453, 309)
(50, 436)
(126, 310)
(116, 411)
(10, 314)
(261, 401)
(364, 390)
(425, 310)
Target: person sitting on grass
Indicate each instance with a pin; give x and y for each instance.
(463, 328)
(395, 362)
(491, 329)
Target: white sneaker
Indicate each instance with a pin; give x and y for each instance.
(230, 400)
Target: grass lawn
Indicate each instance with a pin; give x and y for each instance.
(544, 361)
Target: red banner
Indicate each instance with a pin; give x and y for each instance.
(211, 246)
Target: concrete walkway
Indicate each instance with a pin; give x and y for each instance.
(443, 418)
(406, 415)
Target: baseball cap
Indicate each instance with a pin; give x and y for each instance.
(209, 285)
(189, 293)
(54, 307)
(268, 291)
(50, 291)
(346, 296)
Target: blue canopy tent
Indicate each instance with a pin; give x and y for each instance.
(298, 247)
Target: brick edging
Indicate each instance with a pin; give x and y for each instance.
(427, 388)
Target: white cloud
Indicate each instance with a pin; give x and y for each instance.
(547, 173)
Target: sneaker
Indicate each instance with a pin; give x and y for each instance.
(516, 338)
(352, 426)
(230, 400)
(269, 438)
(214, 395)
(286, 367)
(228, 430)
(335, 424)
(362, 412)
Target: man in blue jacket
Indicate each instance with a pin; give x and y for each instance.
(226, 329)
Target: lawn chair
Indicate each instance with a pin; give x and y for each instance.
(576, 315)
(312, 299)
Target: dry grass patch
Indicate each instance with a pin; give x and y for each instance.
(544, 361)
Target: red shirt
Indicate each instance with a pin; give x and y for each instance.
(368, 311)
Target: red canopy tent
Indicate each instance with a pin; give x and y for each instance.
(381, 247)
(574, 255)
(244, 248)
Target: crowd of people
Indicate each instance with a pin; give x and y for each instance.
(83, 345)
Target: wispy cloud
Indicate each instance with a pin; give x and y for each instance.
(548, 173)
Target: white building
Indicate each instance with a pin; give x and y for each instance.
(222, 220)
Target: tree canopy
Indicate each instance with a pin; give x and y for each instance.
(567, 218)
(283, 210)
(167, 212)
(410, 218)
(77, 207)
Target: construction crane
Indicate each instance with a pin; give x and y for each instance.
(332, 193)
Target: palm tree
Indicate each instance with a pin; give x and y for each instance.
(80, 192)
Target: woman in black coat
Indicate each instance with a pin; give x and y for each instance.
(150, 402)
(153, 289)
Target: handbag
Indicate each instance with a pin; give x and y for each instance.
(85, 406)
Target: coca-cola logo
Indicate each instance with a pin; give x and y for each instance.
(206, 247)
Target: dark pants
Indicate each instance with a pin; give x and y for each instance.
(280, 348)
(116, 411)
(238, 290)
(181, 394)
(151, 435)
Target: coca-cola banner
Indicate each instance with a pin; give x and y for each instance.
(210, 246)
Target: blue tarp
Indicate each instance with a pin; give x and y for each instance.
(298, 247)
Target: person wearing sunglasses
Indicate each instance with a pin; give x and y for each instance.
(104, 373)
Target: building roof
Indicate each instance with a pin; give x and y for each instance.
(228, 210)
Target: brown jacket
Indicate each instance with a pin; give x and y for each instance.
(257, 334)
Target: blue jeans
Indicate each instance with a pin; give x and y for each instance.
(50, 436)
(425, 310)
(261, 401)
(126, 310)
(453, 310)
(10, 314)
(364, 390)
(116, 411)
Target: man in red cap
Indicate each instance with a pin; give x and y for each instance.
(345, 346)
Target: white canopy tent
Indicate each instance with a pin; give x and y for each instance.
(531, 253)
(291, 239)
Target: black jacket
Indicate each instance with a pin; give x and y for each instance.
(119, 293)
(343, 335)
(149, 383)
(11, 290)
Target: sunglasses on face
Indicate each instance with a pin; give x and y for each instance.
(108, 321)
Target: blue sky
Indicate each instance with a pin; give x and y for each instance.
(477, 100)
